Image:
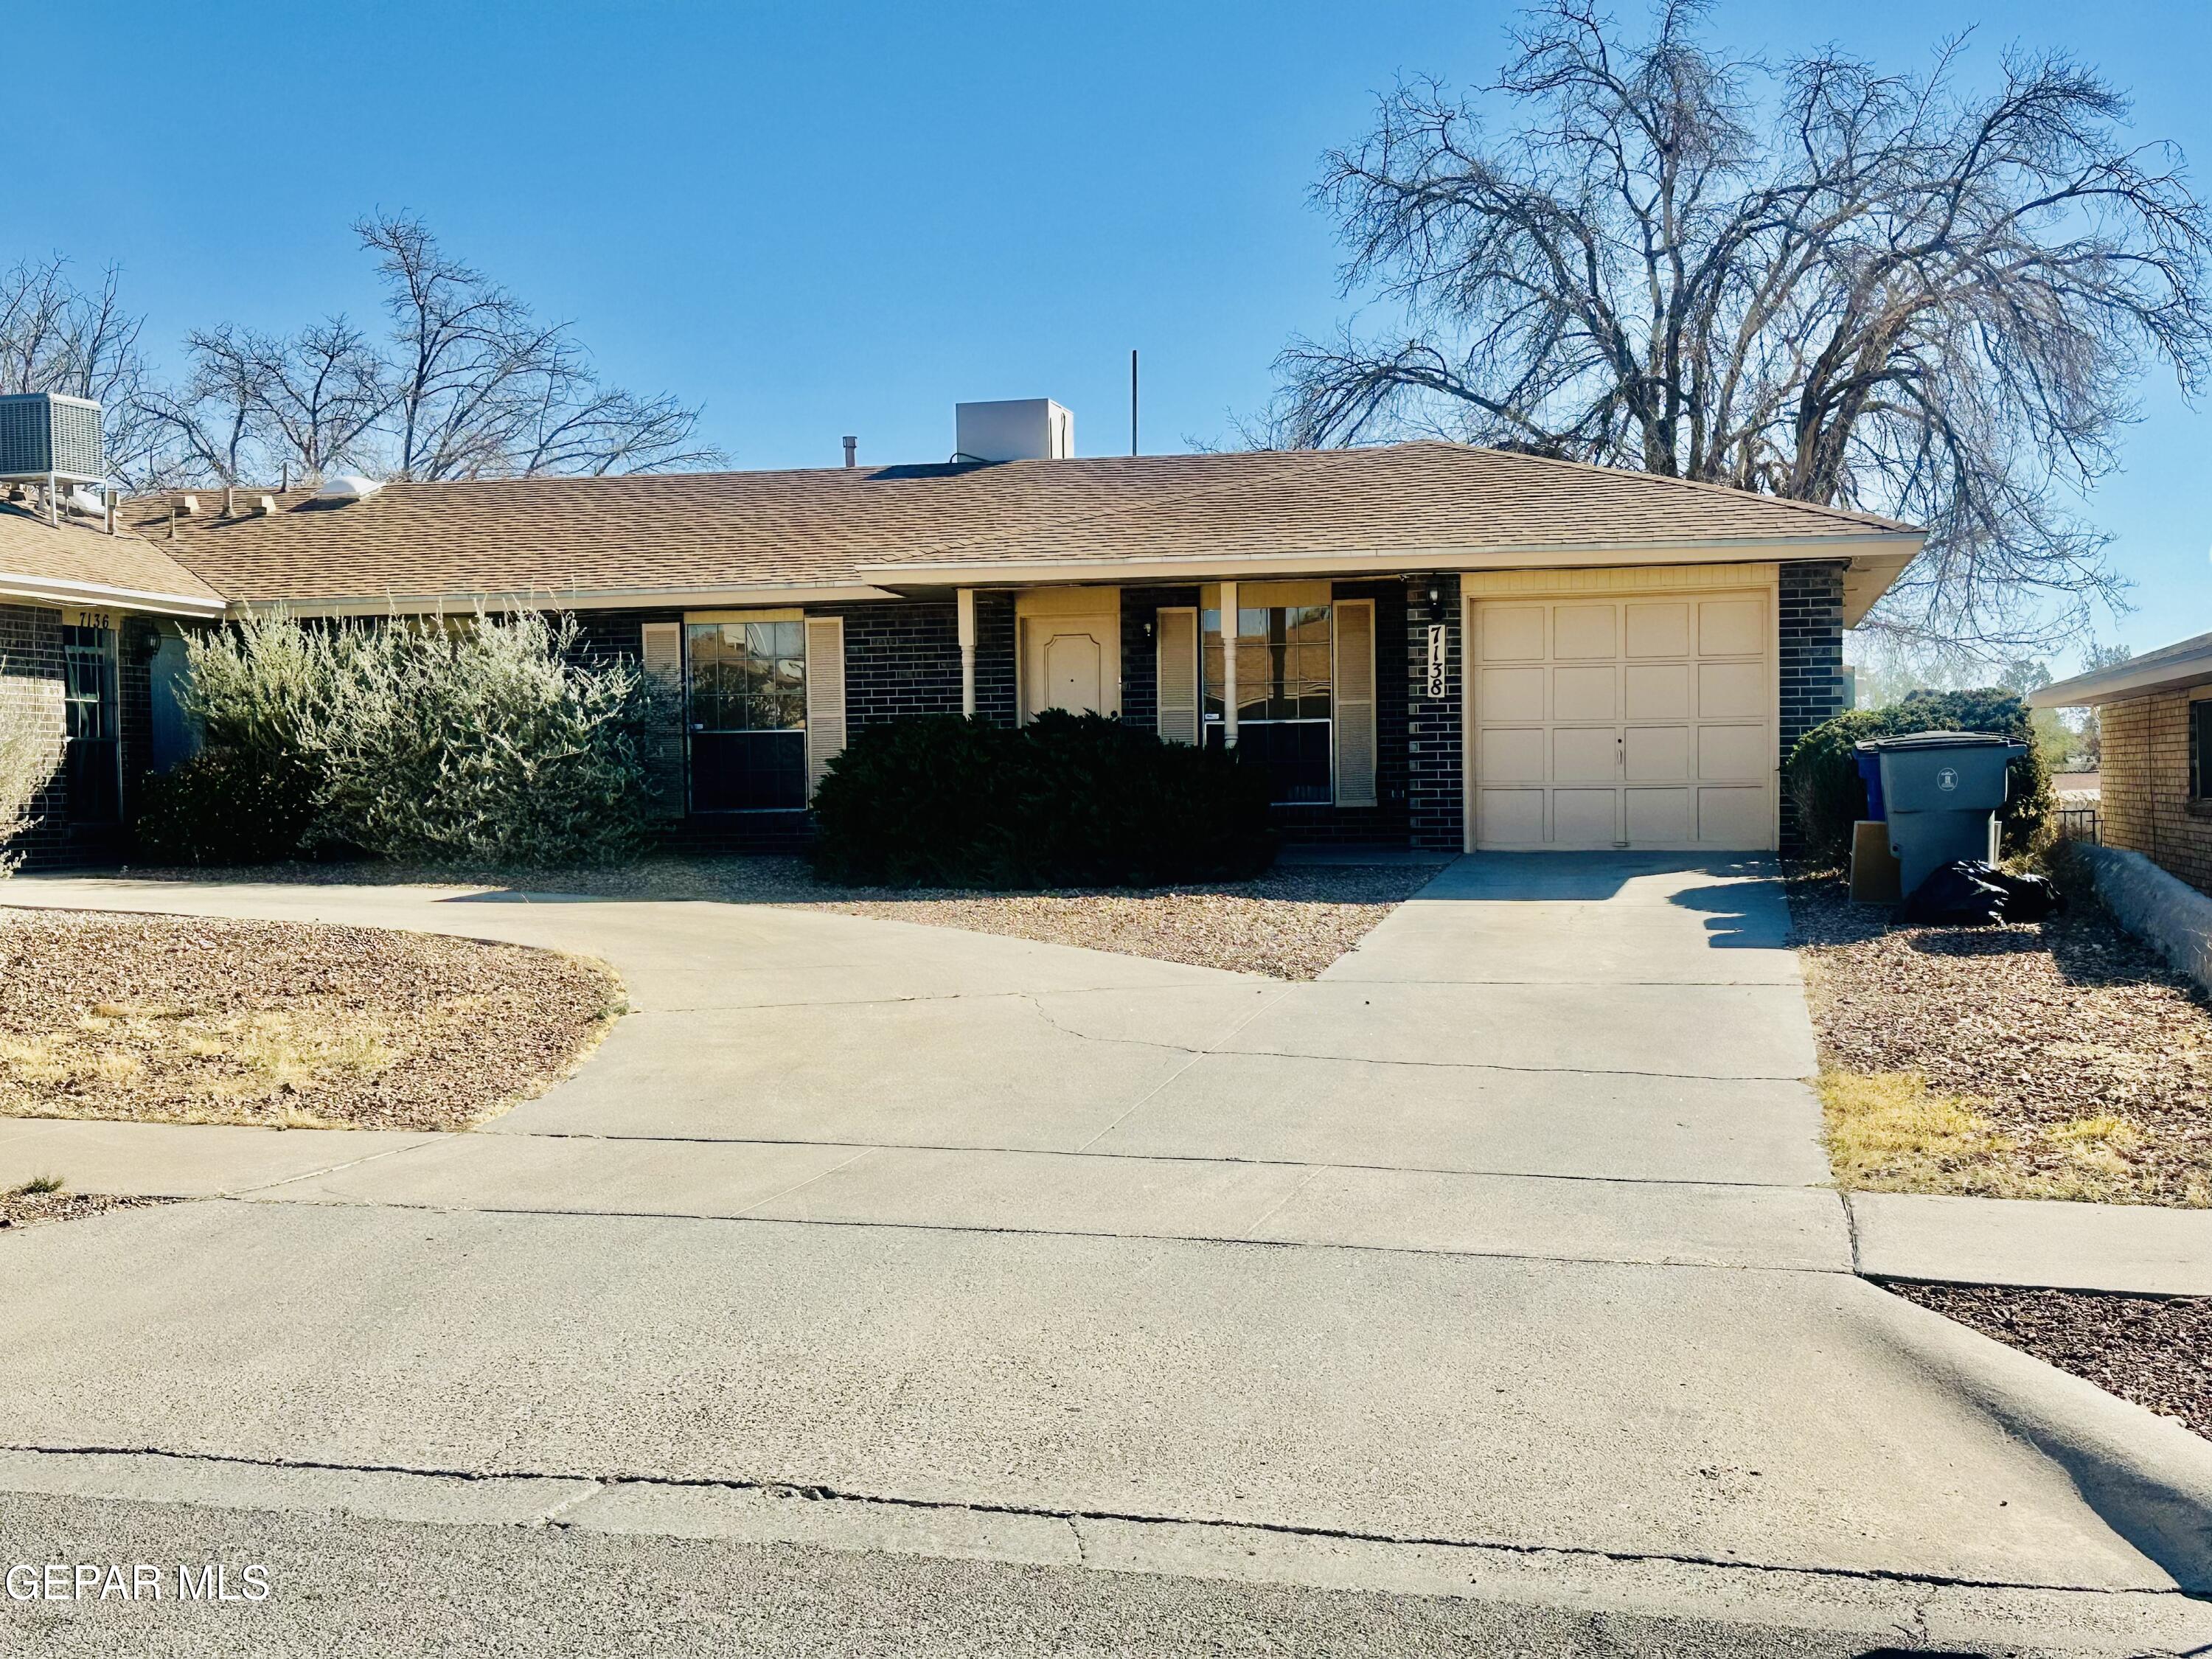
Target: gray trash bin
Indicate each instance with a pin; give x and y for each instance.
(1941, 792)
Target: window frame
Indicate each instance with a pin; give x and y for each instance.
(99, 648)
(750, 699)
(2200, 751)
(1213, 722)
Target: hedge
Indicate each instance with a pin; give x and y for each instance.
(1823, 777)
(1066, 800)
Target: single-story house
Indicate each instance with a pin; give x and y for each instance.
(1427, 644)
(2154, 715)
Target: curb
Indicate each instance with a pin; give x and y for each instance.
(2148, 1479)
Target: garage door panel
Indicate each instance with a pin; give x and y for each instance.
(1512, 633)
(1732, 817)
(1731, 628)
(1584, 754)
(1513, 755)
(1511, 694)
(1657, 629)
(1509, 817)
(1731, 691)
(1732, 754)
(1583, 632)
(1585, 817)
(1655, 690)
(1584, 694)
(1657, 754)
(1659, 817)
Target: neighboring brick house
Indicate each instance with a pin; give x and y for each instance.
(1427, 644)
(2154, 716)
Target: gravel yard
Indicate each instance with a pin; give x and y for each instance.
(35, 1202)
(2155, 1351)
(182, 1020)
(1288, 924)
(2057, 1060)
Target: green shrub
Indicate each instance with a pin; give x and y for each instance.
(479, 742)
(227, 806)
(1066, 800)
(1823, 777)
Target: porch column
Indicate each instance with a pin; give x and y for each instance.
(964, 601)
(1229, 664)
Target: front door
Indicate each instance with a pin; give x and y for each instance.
(1068, 663)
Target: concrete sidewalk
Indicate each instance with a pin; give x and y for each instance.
(2136, 1248)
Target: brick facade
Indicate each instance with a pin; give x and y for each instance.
(1810, 672)
(2145, 805)
(30, 688)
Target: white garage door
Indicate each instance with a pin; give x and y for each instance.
(1628, 722)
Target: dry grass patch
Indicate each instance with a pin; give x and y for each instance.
(1889, 1133)
(2058, 1059)
(285, 1025)
(1290, 923)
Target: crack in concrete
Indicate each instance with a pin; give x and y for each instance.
(821, 1492)
(1085, 1151)
(1002, 1231)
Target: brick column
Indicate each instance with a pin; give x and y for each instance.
(1436, 796)
(1811, 669)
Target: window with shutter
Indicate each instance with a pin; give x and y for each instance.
(825, 696)
(661, 655)
(1177, 668)
(1355, 702)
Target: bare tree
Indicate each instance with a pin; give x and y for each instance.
(481, 387)
(1821, 281)
(57, 337)
(315, 397)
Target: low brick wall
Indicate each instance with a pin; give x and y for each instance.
(2144, 806)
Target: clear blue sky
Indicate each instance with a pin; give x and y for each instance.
(846, 217)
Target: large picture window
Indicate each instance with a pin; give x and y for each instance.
(746, 688)
(1283, 696)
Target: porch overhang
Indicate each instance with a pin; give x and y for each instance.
(1874, 562)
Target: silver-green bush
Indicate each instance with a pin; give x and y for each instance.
(480, 741)
(30, 750)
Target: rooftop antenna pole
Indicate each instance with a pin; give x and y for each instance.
(1133, 400)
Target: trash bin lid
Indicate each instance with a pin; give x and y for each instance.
(1937, 741)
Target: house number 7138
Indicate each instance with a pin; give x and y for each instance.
(1436, 662)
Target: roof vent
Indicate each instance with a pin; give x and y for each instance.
(1013, 429)
(347, 487)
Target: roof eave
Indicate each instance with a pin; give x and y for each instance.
(1886, 551)
(2127, 679)
(51, 590)
(564, 599)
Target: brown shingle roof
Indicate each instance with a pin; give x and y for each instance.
(73, 554)
(830, 528)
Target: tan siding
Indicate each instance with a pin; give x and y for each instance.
(2144, 806)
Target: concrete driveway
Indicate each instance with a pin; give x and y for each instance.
(1506, 1237)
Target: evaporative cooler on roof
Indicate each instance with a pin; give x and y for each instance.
(43, 435)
